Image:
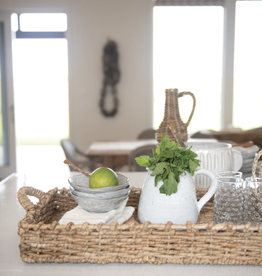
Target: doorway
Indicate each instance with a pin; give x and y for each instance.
(40, 73)
(40, 66)
(7, 133)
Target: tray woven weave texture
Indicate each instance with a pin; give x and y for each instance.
(44, 240)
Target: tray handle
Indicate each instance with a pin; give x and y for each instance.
(24, 192)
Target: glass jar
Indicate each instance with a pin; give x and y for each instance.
(253, 201)
(228, 200)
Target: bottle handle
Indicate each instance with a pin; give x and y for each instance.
(211, 190)
(255, 164)
(181, 94)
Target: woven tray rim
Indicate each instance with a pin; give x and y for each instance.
(44, 198)
(131, 242)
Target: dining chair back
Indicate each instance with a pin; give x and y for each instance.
(147, 134)
(235, 135)
(74, 155)
(143, 150)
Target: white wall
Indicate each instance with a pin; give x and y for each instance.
(90, 24)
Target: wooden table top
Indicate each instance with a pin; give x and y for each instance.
(103, 148)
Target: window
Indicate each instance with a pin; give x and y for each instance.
(40, 78)
(248, 65)
(205, 50)
(188, 55)
(43, 22)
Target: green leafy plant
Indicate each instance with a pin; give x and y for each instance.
(169, 161)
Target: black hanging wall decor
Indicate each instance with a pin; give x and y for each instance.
(111, 78)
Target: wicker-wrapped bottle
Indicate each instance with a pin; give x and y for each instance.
(172, 117)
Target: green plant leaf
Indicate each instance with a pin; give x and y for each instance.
(158, 150)
(151, 168)
(170, 184)
(168, 153)
(165, 175)
(162, 189)
(159, 169)
(143, 161)
(157, 178)
(172, 144)
(164, 143)
(192, 165)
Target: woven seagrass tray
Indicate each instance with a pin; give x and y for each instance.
(44, 240)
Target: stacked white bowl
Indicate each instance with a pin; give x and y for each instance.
(98, 200)
(248, 155)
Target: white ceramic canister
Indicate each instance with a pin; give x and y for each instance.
(215, 157)
(179, 207)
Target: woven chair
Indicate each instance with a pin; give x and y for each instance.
(147, 134)
(143, 150)
(240, 136)
(74, 155)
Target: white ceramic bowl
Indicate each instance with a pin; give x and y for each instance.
(105, 195)
(99, 205)
(80, 183)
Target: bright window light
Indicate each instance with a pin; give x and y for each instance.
(41, 89)
(43, 22)
(248, 65)
(188, 55)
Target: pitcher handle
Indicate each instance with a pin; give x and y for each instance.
(181, 94)
(211, 190)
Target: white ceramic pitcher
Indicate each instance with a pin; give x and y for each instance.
(179, 207)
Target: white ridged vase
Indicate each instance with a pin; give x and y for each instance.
(215, 157)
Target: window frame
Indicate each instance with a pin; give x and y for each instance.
(37, 35)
